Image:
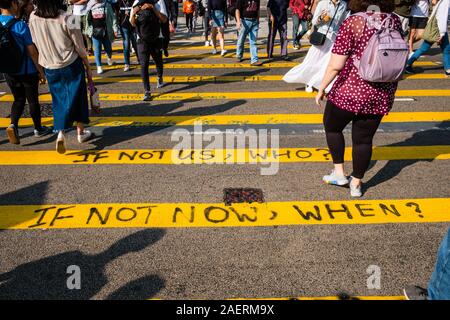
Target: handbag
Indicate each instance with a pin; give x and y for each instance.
(99, 32)
(431, 33)
(317, 38)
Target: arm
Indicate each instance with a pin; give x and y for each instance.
(34, 55)
(77, 38)
(78, 1)
(336, 64)
(238, 19)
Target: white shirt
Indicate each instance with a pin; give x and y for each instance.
(420, 9)
(82, 9)
(441, 10)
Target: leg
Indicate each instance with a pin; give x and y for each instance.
(108, 47)
(271, 38)
(214, 37)
(97, 51)
(304, 25)
(126, 44)
(295, 25)
(144, 56)
(363, 130)
(206, 26)
(241, 39)
(18, 92)
(412, 37)
(335, 120)
(253, 37)
(222, 38)
(156, 54)
(282, 29)
(445, 46)
(31, 85)
(422, 49)
(439, 285)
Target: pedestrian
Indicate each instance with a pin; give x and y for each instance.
(247, 22)
(147, 19)
(168, 27)
(66, 65)
(418, 21)
(353, 99)
(206, 25)
(188, 10)
(217, 11)
(301, 15)
(327, 19)
(176, 8)
(24, 80)
(277, 11)
(403, 11)
(80, 9)
(441, 13)
(25, 7)
(102, 28)
(127, 31)
(439, 284)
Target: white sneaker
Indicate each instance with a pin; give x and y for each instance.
(85, 136)
(224, 52)
(99, 70)
(309, 89)
(334, 179)
(61, 143)
(206, 43)
(214, 51)
(110, 62)
(355, 191)
(126, 68)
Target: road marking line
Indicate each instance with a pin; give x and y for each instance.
(233, 95)
(211, 156)
(186, 215)
(201, 47)
(232, 120)
(250, 78)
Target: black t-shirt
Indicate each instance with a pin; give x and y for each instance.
(248, 9)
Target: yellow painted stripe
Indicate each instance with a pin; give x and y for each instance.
(329, 298)
(210, 156)
(233, 95)
(188, 79)
(201, 47)
(185, 215)
(260, 119)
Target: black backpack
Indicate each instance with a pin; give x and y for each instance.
(148, 26)
(11, 56)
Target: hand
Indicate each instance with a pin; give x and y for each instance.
(42, 79)
(210, 23)
(272, 19)
(146, 6)
(440, 41)
(319, 97)
(238, 25)
(116, 34)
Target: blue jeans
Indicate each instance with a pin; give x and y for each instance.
(128, 37)
(249, 27)
(439, 285)
(98, 49)
(296, 23)
(445, 47)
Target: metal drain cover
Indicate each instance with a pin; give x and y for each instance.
(241, 195)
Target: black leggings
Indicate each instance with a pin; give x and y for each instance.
(145, 50)
(363, 130)
(25, 88)
(189, 21)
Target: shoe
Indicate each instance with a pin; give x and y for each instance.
(110, 62)
(147, 96)
(42, 132)
(223, 52)
(126, 68)
(409, 70)
(166, 53)
(84, 137)
(160, 83)
(415, 293)
(334, 179)
(214, 51)
(239, 59)
(61, 143)
(13, 134)
(309, 89)
(99, 70)
(447, 73)
(355, 191)
(285, 58)
(256, 63)
(206, 43)
(296, 46)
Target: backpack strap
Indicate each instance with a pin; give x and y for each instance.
(9, 24)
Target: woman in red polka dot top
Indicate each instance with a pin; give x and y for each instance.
(352, 99)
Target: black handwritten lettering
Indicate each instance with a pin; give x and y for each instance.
(126, 154)
(361, 210)
(258, 155)
(179, 210)
(190, 155)
(161, 153)
(274, 215)
(206, 155)
(392, 210)
(97, 156)
(308, 214)
(209, 210)
(120, 218)
(417, 208)
(149, 212)
(103, 220)
(344, 209)
(242, 217)
(39, 222)
(57, 217)
(146, 155)
(277, 155)
(303, 154)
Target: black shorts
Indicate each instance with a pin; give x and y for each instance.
(418, 22)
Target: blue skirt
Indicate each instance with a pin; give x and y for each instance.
(69, 95)
(218, 18)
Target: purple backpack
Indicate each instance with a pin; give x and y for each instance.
(384, 59)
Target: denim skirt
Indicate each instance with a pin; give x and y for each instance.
(69, 95)
(218, 18)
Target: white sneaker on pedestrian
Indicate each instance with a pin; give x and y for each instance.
(206, 43)
(309, 89)
(214, 51)
(355, 191)
(335, 179)
(99, 70)
(110, 62)
(126, 68)
(223, 52)
(84, 137)
(61, 143)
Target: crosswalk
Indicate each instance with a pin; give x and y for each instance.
(425, 148)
